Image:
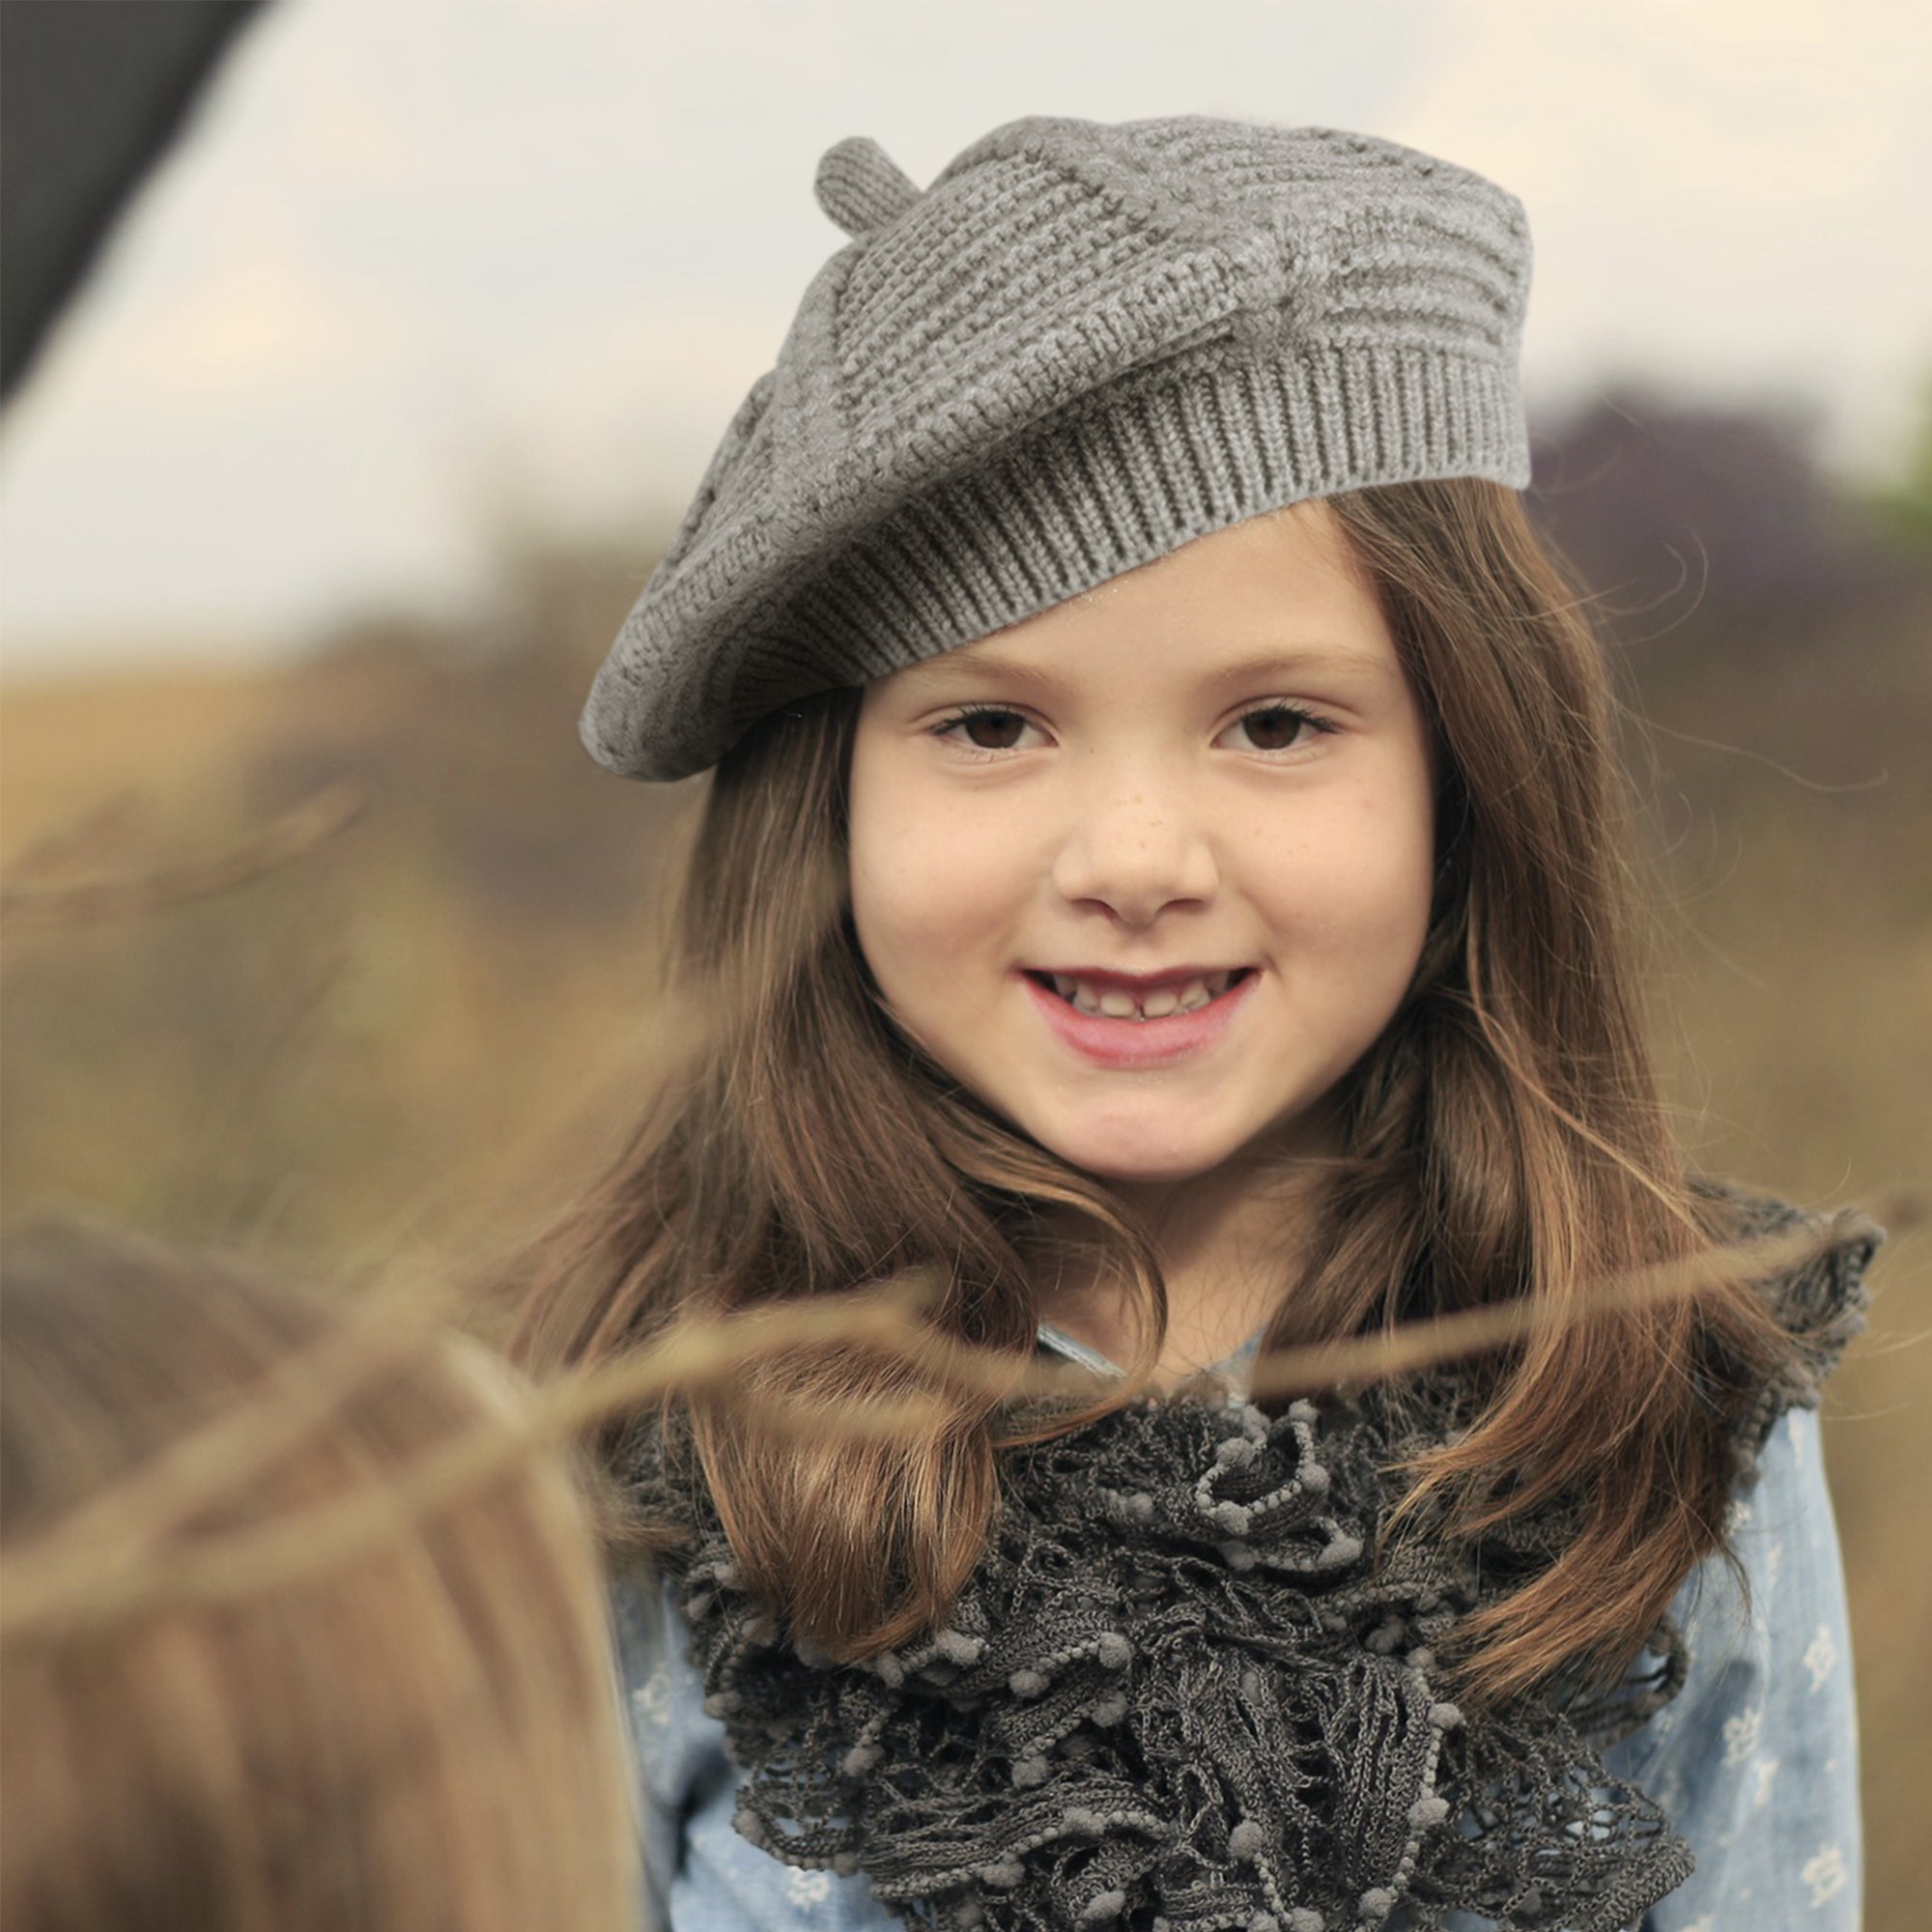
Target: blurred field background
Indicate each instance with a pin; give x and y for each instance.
(416, 1029)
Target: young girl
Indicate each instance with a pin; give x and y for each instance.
(1161, 878)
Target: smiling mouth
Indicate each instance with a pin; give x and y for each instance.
(1156, 1000)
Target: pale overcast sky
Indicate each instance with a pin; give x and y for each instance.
(414, 258)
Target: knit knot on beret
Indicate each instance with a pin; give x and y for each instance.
(1082, 346)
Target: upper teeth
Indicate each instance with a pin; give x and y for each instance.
(1175, 996)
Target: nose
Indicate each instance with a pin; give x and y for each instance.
(1136, 856)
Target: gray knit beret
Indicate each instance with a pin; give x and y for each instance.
(1081, 347)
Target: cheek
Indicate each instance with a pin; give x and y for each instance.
(1355, 882)
(899, 921)
(928, 886)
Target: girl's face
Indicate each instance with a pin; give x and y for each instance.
(1150, 871)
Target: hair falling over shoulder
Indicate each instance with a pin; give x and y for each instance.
(1503, 1142)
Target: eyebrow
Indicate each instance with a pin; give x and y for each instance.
(1289, 660)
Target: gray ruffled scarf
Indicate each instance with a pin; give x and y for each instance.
(1180, 1694)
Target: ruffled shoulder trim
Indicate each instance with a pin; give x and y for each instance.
(1823, 1304)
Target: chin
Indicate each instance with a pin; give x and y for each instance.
(1134, 1158)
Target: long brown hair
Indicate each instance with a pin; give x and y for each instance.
(1502, 1140)
(422, 1734)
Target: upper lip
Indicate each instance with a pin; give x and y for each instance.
(1133, 983)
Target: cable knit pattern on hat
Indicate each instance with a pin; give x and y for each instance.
(1181, 1693)
(1082, 346)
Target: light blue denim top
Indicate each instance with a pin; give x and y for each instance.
(1755, 1760)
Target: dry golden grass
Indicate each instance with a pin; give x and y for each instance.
(68, 746)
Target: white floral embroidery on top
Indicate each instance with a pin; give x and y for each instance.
(652, 1697)
(1764, 1770)
(1741, 1734)
(1826, 1875)
(810, 1888)
(1774, 1562)
(1705, 1921)
(1820, 1656)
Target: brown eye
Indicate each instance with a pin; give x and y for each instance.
(1275, 728)
(991, 730)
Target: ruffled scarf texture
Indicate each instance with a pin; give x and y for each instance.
(1179, 1694)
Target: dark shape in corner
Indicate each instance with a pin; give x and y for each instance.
(90, 98)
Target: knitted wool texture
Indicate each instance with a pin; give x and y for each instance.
(1181, 1694)
(1081, 347)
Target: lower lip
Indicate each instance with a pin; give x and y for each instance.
(1111, 1042)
